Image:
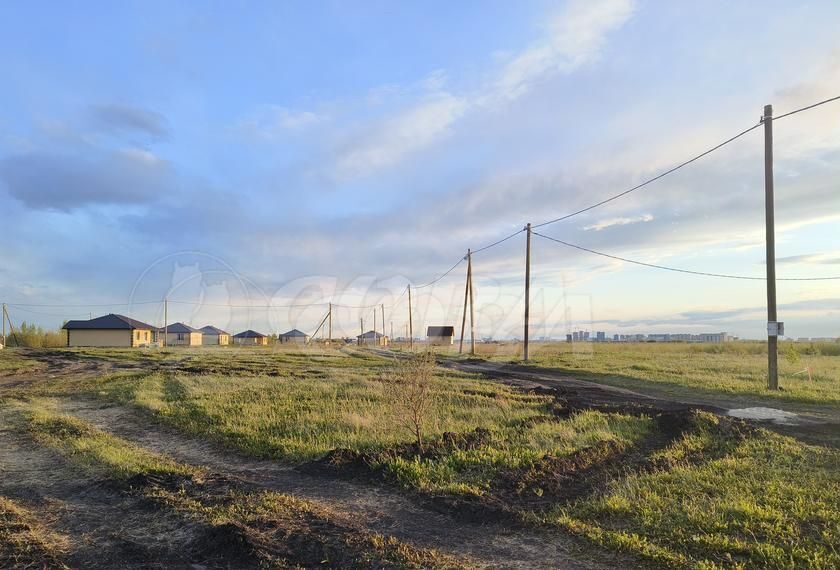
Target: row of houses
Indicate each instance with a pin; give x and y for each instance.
(119, 330)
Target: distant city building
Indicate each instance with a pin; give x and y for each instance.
(600, 336)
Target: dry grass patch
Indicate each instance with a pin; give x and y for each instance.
(25, 542)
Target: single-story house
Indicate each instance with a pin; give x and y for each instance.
(373, 338)
(109, 330)
(250, 337)
(179, 334)
(294, 336)
(440, 335)
(213, 335)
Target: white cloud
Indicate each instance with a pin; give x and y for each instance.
(575, 37)
(274, 121)
(600, 225)
(407, 132)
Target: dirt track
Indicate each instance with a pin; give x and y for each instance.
(814, 424)
(376, 508)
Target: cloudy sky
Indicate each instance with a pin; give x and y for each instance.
(274, 154)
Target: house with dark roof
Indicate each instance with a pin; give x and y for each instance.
(250, 337)
(214, 336)
(372, 338)
(179, 334)
(294, 336)
(440, 335)
(109, 330)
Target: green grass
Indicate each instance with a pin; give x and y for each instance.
(765, 502)
(266, 519)
(302, 415)
(95, 449)
(733, 369)
(299, 418)
(473, 471)
(12, 362)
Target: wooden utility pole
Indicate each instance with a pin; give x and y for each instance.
(466, 298)
(410, 323)
(329, 340)
(361, 330)
(11, 327)
(3, 318)
(472, 307)
(165, 320)
(383, 324)
(374, 326)
(527, 289)
(769, 218)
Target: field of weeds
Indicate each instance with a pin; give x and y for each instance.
(288, 456)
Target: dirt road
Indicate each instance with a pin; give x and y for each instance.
(813, 424)
(376, 508)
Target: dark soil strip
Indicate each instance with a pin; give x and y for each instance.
(377, 509)
(107, 527)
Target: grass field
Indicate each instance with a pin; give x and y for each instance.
(231, 507)
(737, 369)
(11, 362)
(685, 490)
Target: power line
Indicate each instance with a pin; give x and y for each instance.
(703, 273)
(495, 243)
(450, 270)
(84, 305)
(806, 108)
(648, 181)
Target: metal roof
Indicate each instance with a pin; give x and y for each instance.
(440, 331)
(108, 322)
(179, 328)
(294, 332)
(210, 329)
(249, 334)
(370, 334)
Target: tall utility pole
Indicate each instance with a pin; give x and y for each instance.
(361, 330)
(3, 318)
(374, 326)
(472, 307)
(383, 324)
(410, 324)
(329, 340)
(165, 320)
(769, 217)
(466, 298)
(527, 289)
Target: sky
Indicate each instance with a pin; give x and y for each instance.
(239, 158)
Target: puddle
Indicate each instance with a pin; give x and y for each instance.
(765, 414)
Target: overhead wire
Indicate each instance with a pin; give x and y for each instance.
(678, 270)
(650, 180)
(807, 107)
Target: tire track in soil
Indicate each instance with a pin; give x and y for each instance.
(378, 509)
(106, 528)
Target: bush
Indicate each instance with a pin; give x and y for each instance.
(36, 337)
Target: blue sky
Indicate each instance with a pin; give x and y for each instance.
(282, 153)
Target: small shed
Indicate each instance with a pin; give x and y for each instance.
(109, 330)
(179, 334)
(250, 337)
(294, 336)
(440, 335)
(372, 338)
(214, 336)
